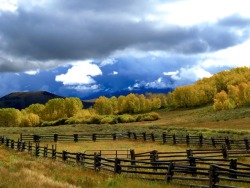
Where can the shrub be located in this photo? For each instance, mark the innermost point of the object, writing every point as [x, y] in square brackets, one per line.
[154, 115]
[108, 120]
[126, 118]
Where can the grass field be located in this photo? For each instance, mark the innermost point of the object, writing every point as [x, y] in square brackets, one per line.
[20, 170]
[201, 120]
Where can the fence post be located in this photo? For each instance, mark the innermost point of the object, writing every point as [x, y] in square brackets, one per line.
[213, 142]
[53, 152]
[132, 156]
[164, 137]
[246, 144]
[144, 135]
[192, 162]
[170, 172]
[12, 144]
[154, 158]
[18, 145]
[227, 142]
[114, 136]
[23, 146]
[7, 142]
[93, 137]
[187, 139]
[233, 165]
[36, 138]
[201, 140]
[129, 134]
[64, 155]
[134, 134]
[75, 137]
[2, 139]
[213, 176]
[37, 150]
[45, 151]
[189, 153]
[224, 152]
[29, 147]
[97, 162]
[174, 139]
[55, 137]
[152, 137]
[78, 158]
[117, 167]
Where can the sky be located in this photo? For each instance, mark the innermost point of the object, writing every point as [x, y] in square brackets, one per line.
[87, 48]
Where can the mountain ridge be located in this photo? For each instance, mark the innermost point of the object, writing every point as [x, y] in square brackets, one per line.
[21, 100]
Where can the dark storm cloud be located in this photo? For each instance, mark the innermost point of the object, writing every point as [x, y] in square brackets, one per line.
[73, 30]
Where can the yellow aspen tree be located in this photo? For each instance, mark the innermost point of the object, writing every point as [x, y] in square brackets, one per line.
[233, 96]
[10, 117]
[72, 106]
[103, 106]
[221, 101]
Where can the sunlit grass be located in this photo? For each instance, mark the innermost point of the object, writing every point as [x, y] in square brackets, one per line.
[20, 170]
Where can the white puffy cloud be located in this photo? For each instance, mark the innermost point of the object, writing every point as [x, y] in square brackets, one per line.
[187, 75]
[232, 57]
[191, 12]
[80, 73]
[32, 72]
[158, 84]
[8, 5]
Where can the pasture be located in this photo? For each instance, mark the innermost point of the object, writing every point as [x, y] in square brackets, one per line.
[19, 169]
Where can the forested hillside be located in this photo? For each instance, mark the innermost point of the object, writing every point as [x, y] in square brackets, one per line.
[225, 90]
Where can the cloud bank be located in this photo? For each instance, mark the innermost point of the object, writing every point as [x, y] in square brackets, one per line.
[131, 44]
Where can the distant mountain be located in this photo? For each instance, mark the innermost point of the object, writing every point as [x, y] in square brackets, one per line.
[21, 100]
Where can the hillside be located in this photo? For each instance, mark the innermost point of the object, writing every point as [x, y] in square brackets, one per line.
[21, 100]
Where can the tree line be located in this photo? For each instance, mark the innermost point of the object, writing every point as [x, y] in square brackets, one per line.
[70, 111]
[225, 90]
[33, 115]
[130, 104]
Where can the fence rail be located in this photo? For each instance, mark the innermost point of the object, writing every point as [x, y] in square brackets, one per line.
[209, 168]
[198, 140]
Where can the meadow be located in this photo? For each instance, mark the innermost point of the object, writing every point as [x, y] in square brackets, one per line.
[18, 169]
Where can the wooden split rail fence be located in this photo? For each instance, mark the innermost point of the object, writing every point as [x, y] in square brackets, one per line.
[216, 167]
[198, 140]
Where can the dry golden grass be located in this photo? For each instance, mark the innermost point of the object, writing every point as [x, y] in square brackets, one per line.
[20, 170]
[138, 146]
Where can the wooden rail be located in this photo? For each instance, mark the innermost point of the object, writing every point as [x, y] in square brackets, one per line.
[198, 140]
[209, 168]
